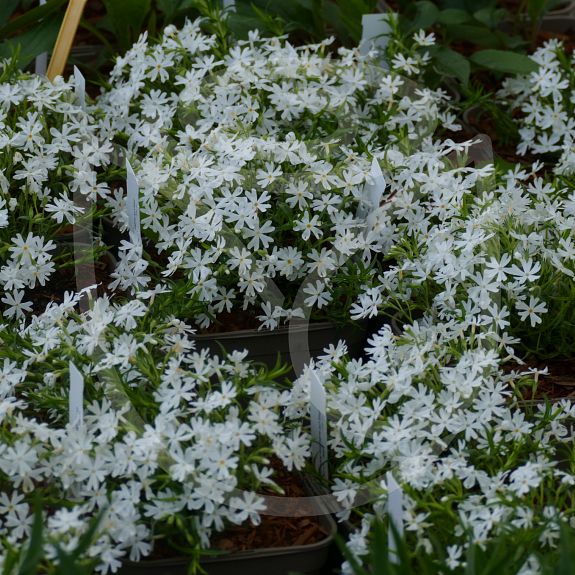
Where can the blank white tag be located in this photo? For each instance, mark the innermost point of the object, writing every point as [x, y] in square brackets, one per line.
[318, 416]
[133, 204]
[395, 514]
[41, 64]
[372, 193]
[375, 33]
[76, 397]
[80, 83]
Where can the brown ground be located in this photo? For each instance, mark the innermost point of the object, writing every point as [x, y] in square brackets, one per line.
[558, 384]
[274, 531]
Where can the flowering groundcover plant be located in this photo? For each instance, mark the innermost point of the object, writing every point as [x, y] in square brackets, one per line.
[253, 167]
[53, 174]
[173, 445]
[485, 246]
[434, 407]
[545, 102]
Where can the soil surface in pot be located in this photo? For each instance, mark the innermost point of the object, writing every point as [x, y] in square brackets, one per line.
[64, 280]
[559, 383]
[272, 532]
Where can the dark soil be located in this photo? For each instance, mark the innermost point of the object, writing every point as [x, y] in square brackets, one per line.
[64, 280]
[567, 39]
[558, 384]
[272, 532]
[233, 321]
[275, 531]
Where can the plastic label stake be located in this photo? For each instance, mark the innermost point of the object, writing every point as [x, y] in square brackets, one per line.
[318, 415]
[80, 83]
[41, 64]
[133, 204]
[76, 397]
[395, 514]
[375, 33]
[372, 193]
[229, 5]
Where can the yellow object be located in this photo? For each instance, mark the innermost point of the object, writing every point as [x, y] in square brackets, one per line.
[65, 38]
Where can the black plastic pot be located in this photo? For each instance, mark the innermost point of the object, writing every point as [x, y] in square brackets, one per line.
[560, 23]
[303, 559]
[293, 345]
[566, 10]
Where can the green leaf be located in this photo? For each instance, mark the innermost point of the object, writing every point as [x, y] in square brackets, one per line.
[515, 43]
[33, 16]
[427, 15]
[307, 4]
[502, 61]
[33, 42]
[240, 25]
[479, 35]
[537, 8]
[127, 18]
[169, 8]
[489, 17]
[351, 14]
[452, 63]
[275, 25]
[7, 7]
[345, 27]
[35, 550]
[453, 16]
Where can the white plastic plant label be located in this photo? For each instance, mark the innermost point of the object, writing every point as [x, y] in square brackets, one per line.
[80, 83]
[395, 514]
[41, 63]
[375, 33]
[229, 5]
[133, 204]
[76, 397]
[318, 416]
[372, 193]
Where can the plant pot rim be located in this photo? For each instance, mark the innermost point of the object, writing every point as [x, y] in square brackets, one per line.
[541, 401]
[567, 10]
[556, 22]
[326, 520]
[296, 327]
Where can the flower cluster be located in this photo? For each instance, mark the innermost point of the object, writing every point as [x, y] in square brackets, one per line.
[168, 432]
[282, 182]
[253, 169]
[439, 413]
[492, 249]
[51, 166]
[545, 102]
